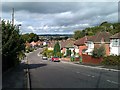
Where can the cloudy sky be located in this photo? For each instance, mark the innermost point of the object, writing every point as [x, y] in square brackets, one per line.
[59, 17]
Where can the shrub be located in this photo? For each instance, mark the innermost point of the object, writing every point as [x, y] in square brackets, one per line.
[98, 52]
[68, 52]
[47, 52]
[111, 60]
[59, 54]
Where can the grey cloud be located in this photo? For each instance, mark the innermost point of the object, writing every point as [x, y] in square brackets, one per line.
[41, 7]
[61, 17]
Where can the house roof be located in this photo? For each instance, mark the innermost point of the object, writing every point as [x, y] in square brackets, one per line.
[67, 43]
[38, 43]
[33, 43]
[101, 36]
[27, 44]
[117, 35]
[81, 41]
[51, 44]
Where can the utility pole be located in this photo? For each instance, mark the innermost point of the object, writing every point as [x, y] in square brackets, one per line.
[13, 16]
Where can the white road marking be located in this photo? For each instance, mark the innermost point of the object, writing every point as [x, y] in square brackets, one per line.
[112, 82]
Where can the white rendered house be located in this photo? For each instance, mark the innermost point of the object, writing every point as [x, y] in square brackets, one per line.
[115, 44]
[90, 47]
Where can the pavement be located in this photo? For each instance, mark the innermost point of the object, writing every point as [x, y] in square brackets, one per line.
[17, 77]
[14, 77]
[109, 68]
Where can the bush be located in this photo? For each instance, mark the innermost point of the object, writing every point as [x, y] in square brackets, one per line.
[29, 49]
[47, 52]
[68, 52]
[12, 44]
[98, 52]
[111, 60]
[59, 54]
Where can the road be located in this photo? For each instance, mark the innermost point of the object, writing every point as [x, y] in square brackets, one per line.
[47, 74]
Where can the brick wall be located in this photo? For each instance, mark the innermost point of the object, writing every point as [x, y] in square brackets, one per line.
[90, 60]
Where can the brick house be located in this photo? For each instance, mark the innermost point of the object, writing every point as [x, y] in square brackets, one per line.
[81, 44]
[101, 38]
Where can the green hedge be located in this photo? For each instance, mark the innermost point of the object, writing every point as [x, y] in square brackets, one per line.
[111, 60]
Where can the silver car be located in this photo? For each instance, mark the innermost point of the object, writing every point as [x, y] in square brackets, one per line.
[44, 58]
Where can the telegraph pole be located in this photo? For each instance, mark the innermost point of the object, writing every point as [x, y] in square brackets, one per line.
[13, 16]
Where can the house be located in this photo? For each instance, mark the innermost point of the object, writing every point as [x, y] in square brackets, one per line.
[81, 45]
[44, 43]
[67, 45]
[101, 38]
[27, 45]
[33, 44]
[115, 44]
[39, 43]
[51, 45]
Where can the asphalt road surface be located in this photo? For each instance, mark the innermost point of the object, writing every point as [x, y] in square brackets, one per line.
[47, 74]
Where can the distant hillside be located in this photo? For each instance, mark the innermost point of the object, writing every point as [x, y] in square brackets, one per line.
[55, 35]
[112, 28]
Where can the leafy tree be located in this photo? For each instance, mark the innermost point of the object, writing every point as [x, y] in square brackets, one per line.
[26, 37]
[112, 28]
[12, 45]
[77, 34]
[30, 37]
[99, 52]
[33, 37]
[56, 49]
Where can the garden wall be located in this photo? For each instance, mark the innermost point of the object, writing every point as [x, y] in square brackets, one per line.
[90, 60]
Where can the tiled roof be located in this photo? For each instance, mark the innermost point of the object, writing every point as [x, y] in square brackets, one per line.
[51, 44]
[101, 36]
[27, 44]
[67, 43]
[117, 35]
[81, 41]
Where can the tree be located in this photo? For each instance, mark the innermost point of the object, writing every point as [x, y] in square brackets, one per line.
[30, 37]
[33, 37]
[77, 34]
[56, 49]
[99, 52]
[12, 45]
[26, 37]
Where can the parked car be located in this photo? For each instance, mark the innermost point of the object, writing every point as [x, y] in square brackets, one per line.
[44, 58]
[55, 59]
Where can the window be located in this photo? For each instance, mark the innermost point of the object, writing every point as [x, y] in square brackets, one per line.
[90, 44]
[116, 42]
